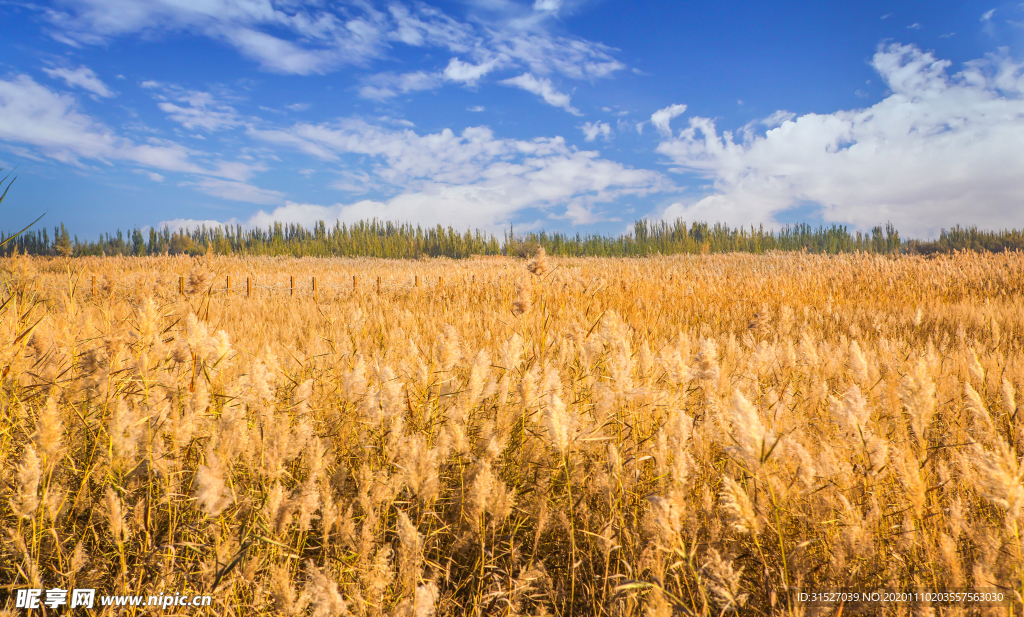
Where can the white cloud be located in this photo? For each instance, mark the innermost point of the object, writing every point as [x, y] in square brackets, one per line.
[49, 123]
[297, 107]
[544, 54]
[236, 191]
[472, 177]
[940, 150]
[305, 37]
[155, 177]
[458, 70]
[388, 85]
[324, 40]
[592, 130]
[547, 5]
[544, 89]
[201, 111]
[34, 115]
[987, 15]
[914, 26]
[661, 118]
[178, 224]
[475, 108]
[82, 77]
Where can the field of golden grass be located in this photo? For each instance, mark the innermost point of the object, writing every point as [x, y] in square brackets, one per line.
[694, 435]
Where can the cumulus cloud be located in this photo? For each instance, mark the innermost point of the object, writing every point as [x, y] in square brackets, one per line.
[473, 176]
[661, 118]
[593, 130]
[940, 150]
[544, 89]
[81, 77]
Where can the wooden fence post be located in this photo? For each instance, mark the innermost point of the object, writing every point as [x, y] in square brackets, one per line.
[181, 285]
[94, 286]
[227, 286]
[248, 287]
[417, 277]
[355, 281]
[378, 283]
[440, 281]
[314, 288]
[293, 285]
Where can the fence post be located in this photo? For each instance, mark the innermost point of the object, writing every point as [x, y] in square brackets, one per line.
[378, 283]
[314, 289]
[248, 287]
[417, 277]
[293, 285]
[355, 281]
[440, 281]
[181, 285]
[94, 286]
[227, 286]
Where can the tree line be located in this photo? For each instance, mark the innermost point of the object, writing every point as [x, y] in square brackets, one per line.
[386, 239]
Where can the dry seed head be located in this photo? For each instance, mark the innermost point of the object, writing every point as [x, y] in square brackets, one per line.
[449, 350]
[747, 430]
[851, 412]
[858, 364]
[323, 594]
[561, 425]
[220, 345]
[724, 581]
[707, 361]
[79, 558]
[917, 392]
[115, 515]
[523, 303]
[1009, 403]
[999, 477]
[29, 474]
[975, 368]
[980, 417]
[49, 431]
[666, 520]
[196, 282]
[410, 552]
[738, 508]
[419, 462]
[539, 266]
[211, 491]
[425, 602]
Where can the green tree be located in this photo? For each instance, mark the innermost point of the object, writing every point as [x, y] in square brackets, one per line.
[63, 242]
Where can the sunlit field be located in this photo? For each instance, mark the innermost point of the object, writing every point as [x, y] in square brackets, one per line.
[692, 435]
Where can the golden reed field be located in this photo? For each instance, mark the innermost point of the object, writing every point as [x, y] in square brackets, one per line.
[694, 435]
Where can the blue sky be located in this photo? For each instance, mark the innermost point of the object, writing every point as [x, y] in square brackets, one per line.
[555, 114]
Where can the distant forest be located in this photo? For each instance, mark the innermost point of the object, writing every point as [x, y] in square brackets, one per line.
[403, 241]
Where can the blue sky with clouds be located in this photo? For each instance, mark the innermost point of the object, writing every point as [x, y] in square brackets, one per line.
[554, 114]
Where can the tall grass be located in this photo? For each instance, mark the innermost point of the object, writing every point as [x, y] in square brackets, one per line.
[675, 435]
